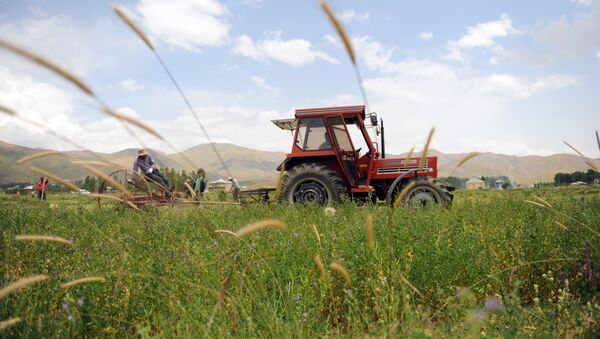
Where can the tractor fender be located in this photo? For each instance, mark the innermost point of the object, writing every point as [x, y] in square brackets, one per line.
[395, 183]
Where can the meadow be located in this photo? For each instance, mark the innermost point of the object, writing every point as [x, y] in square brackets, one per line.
[520, 263]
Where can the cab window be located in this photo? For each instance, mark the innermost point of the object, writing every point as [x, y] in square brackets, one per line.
[312, 135]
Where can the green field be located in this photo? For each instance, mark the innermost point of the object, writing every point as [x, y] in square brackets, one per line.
[491, 265]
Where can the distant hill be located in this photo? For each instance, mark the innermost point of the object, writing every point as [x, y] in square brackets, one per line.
[250, 165]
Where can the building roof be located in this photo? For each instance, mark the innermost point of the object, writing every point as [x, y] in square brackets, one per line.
[220, 181]
[475, 180]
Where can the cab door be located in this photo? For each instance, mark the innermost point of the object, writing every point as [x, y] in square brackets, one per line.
[344, 148]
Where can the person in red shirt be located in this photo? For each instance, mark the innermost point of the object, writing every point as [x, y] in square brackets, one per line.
[42, 185]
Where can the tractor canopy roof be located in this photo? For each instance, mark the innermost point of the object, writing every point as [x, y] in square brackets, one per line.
[337, 110]
[347, 111]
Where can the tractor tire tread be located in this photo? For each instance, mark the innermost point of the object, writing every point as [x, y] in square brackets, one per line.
[337, 187]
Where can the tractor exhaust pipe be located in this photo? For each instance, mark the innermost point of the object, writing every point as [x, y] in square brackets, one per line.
[382, 140]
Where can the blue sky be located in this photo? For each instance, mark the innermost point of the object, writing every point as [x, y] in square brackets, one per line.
[513, 77]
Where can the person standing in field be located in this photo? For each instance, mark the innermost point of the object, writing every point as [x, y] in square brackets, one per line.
[42, 185]
[200, 184]
[235, 189]
[146, 164]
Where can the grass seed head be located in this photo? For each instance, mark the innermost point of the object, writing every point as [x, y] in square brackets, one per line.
[319, 264]
[21, 284]
[83, 281]
[7, 111]
[339, 268]
[259, 225]
[227, 232]
[314, 227]
[340, 30]
[37, 156]
[426, 148]
[33, 237]
[574, 149]
[121, 13]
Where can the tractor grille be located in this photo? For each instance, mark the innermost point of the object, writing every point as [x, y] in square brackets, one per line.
[402, 169]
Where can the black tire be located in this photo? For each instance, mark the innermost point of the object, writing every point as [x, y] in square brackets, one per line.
[420, 193]
[312, 183]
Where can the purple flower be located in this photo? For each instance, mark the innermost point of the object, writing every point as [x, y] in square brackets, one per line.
[70, 317]
[493, 304]
[80, 301]
[65, 306]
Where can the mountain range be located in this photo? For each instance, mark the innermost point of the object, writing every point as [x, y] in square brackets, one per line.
[252, 166]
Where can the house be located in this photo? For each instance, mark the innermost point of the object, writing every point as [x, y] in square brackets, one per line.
[498, 184]
[475, 184]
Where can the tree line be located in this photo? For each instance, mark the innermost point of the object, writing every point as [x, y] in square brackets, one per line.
[569, 178]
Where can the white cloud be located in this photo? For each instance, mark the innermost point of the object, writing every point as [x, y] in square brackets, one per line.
[131, 85]
[295, 52]
[482, 35]
[351, 15]
[55, 108]
[578, 36]
[418, 94]
[188, 24]
[425, 35]
[262, 84]
[332, 40]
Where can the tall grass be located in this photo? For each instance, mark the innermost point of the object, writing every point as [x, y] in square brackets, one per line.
[169, 274]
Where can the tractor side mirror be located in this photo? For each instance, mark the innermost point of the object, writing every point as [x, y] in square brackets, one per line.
[373, 117]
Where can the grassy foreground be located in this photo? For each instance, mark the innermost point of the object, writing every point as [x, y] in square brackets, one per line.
[492, 265]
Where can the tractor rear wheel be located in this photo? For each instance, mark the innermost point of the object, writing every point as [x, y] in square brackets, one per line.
[312, 183]
[420, 193]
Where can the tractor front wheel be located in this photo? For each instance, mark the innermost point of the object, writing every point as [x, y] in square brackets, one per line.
[312, 184]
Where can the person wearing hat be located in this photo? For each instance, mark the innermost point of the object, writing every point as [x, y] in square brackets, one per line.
[146, 164]
[235, 189]
[200, 184]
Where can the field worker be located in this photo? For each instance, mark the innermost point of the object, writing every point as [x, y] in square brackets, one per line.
[42, 186]
[146, 164]
[200, 184]
[235, 189]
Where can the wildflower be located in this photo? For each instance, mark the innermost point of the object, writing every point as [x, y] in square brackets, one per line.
[493, 304]
[70, 317]
[297, 297]
[65, 306]
[329, 211]
[80, 301]
[296, 235]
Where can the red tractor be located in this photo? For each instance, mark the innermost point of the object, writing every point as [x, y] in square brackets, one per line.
[325, 163]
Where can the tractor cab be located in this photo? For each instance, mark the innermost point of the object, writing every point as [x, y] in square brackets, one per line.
[333, 155]
[338, 134]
